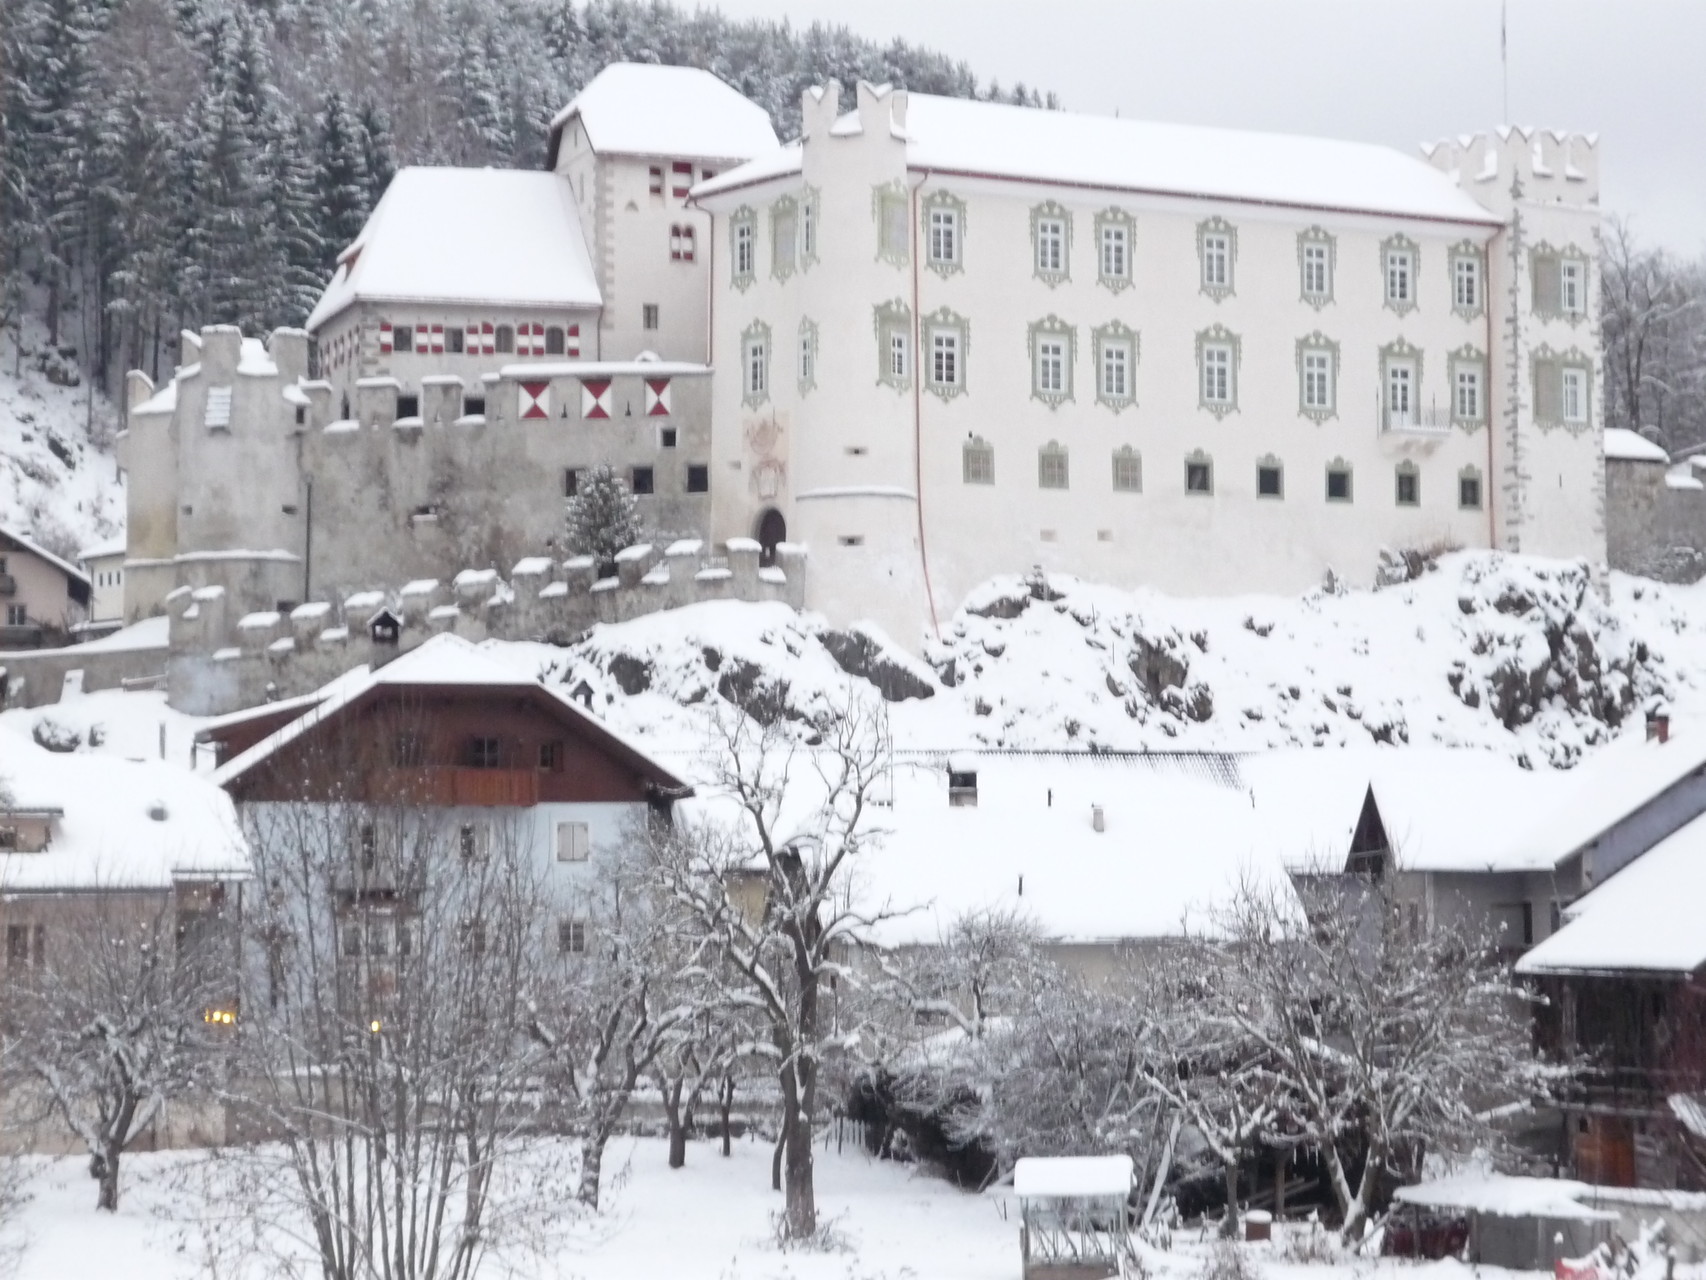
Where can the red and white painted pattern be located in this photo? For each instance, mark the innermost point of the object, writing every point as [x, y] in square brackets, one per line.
[535, 399]
[595, 398]
[657, 397]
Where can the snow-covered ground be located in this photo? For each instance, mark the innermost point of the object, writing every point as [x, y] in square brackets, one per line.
[59, 481]
[708, 1221]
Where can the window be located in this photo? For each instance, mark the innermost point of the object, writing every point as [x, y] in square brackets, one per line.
[349, 941]
[1051, 246]
[551, 756]
[1270, 479]
[1051, 467]
[666, 437]
[745, 236]
[1469, 490]
[1400, 394]
[1217, 373]
[571, 937]
[1466, 283]
[17, 615]
[474, 406]
[453, 341]
[681, 178]
[1338, 482]
[977, 461]
[698, 478]
[554, 340]
[784, 226]
[892, 234]
[504, 339]
[1128, 470]
[1315, 262]
[1400, 278]
[1115, 370]
[1559, 282]
[945, 357]
[1054, 347]
[1217, 246]
[408, 406]
[1575, 395]
[1408, 485]
[897, 356]
[379, 937]
[408, 751]
[574, 842]
[1115, 257]
[1466, 401]
[472, 840]
[1051, 366]
[654, 184]
[808, 229]
[1317, 380]
[756, 365]
[944, 241]
[1199, 475]
[642, 480]
[485, 753]
[682, 243]
[1572, 295]
[808, 357]
[368, 843]
[649, 315]
[403, 337]
[571, 482]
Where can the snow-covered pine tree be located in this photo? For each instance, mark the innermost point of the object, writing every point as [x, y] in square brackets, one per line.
[340, 179]
[602, 517]
[378, 151]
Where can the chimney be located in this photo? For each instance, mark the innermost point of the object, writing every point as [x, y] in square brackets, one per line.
[1658, 727]
[1097, 821]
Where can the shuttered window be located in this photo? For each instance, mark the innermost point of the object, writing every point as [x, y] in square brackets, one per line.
[1548, 293]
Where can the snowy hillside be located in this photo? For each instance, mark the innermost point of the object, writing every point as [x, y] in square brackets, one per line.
[58, 474]
[1513, 653]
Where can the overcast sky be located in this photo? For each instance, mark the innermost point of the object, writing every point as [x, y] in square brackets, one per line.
[1391, 71]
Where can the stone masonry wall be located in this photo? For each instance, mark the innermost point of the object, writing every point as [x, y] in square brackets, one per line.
[1655, 521]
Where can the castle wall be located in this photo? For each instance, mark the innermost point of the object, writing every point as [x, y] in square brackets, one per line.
[1656, 522]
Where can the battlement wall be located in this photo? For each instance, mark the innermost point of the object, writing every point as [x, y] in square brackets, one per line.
[1552, 166]
[221, 659]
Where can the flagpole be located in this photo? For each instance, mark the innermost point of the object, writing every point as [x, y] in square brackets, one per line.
[1504, 58]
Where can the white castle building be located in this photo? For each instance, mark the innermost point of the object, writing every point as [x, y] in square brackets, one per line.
[932, 340]
[954, 339]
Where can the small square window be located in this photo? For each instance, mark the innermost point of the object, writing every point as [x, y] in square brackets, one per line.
[1128, 471]
[571, 937]
[574, 842]
[977, 462]
[1409, 488]
[403, 337]
[1270, 481]
[571, 481]
[485, 753]
[453, 341]
[698, 478]
[1338, 484]
[649, 315]
[642, 480]
[1052, 468]
[1469, 492]
[666, 437]
[1199, 477]
[408, 406]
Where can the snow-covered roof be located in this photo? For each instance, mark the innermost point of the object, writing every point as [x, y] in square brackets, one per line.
[150, 633]
[36, 549]
[633, 108]
[1072, 1176]
[1444, 809]
[125, 824]
[1647, 917]
[494, 237]
[958, 137]
[445, 661]
[1606, 788]
[1506, 1197]
[1630, 446]
[100, 550]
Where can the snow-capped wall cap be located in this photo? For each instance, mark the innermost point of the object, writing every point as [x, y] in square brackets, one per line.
[364, 600]
[315, 384]
[343, 426]
[307, 612]
[165, 400]
[215, 592]
[1506, 1197]
[791, 549]
[419, 587]
[442, 380]
[474, 578]
[1682, 477]
[262, 621]
[1625, 445]
[190, 343]
[101, 550]
[748, 545]
[772, 573]
[1070, 1176]
[531, 566]
[442, 611]
[517, 235]
[962, 762]
[179, 593]
[294, 395]
[677, 112]
[579, 562]
[228, 654]
[284, 644]
[628, 555]
[378, 381]
[954, 137]
[684, 547]
[412, 423]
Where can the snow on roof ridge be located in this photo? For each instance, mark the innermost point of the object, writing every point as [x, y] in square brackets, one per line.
[35, 548]
[652, 109]
[1626, 445]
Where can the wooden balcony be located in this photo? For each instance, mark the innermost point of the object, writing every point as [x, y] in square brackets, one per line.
[455, 786]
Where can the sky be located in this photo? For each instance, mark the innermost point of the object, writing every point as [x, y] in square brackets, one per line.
[1397, 72]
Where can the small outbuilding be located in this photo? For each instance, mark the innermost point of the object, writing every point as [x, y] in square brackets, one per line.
[1075, 1214]
[1525, 1224]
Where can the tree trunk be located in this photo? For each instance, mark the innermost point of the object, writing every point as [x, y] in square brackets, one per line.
[801, 1204]
[776, 1157]
[677, 1129]
[104, 1169]
[1356, 1213]
[726, 1104]
[592, 1164]
[1229, 1225]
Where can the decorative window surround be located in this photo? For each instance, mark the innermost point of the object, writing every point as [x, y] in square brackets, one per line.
[1400, 265]
[811, 205]
[893, 323]
[1217, 257]
[1407, 484]
[1341, 470]
[1045, 386]
[977, 461]
[1549, 270]
[1116, 348]
[1563, 386]
[1468, 279]
[1116, 238]
[784, 237]
[1053, 471]
[1469, 388]
[743, 247]
[888, 209]
[1469, 489]
[1400, 353]
[1128, 470]
[947, 343]
[808, 355]
[1217, 370]
[944, 232]
[755, 364]
[1317, 261]
[1270, 478]
[1317, 377]
[1199, 474]
[1051, 243]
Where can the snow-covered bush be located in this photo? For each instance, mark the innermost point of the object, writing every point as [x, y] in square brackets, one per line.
[55, 735]
[602, 517]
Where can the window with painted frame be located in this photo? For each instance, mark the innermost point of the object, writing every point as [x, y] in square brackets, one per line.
[1469, 489]
[1199, 475]
[947, 358]
[1217, 253]
[1116, 351]
[784, 232]
[1407, 485]
[1398, 261]
[1053, 471]
[1218, 376]
[743, 231]
[1558, 279]
[944, 230]
[1468, 391]
[1128, 470]
[1051, 366]
[893, 241]
[1563, 389]
[977, 461]
[1572, 287]
[1050, 235]
[1316, 250]
[1115, 233]
[755, 364]
[1466, 285]
[1318, 390]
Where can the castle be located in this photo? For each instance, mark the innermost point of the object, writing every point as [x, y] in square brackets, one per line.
[931, 340]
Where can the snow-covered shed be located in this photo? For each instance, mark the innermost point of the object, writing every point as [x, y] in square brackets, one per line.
[1525, 1224]
[1075, 1215]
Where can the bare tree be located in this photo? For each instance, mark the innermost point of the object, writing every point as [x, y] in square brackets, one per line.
[765, 886]
[120, 1017]
[1654, 331]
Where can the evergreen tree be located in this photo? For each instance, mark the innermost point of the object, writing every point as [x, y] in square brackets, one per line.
[602, 517]
[340, 179]
[378, 152]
